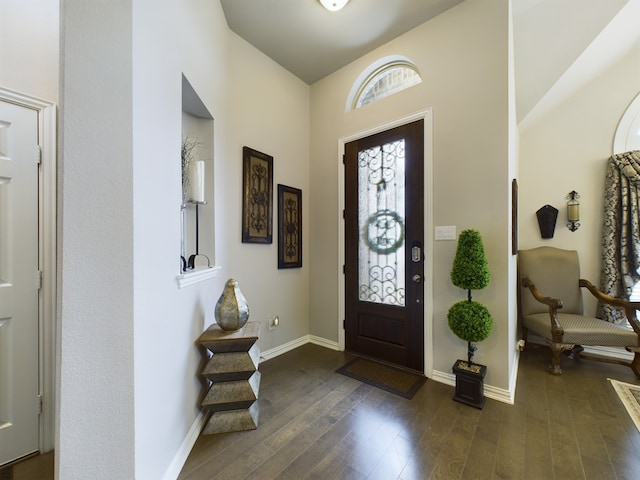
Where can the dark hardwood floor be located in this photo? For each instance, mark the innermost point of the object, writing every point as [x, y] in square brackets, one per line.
[317, 424]
[38, 467]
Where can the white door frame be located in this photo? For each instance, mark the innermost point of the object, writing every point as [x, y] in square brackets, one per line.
[47, 246]
[427, 116]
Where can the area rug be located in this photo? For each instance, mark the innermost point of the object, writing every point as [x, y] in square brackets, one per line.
[629, 394]
[385, 377]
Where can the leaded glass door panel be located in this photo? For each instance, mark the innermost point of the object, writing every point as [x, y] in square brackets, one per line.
[384, 217]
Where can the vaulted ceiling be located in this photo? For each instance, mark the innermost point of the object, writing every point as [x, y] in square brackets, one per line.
[312, 42]
[561, 45]
[558, 45]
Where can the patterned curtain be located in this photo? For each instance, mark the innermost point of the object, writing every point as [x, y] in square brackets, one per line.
[620, 231]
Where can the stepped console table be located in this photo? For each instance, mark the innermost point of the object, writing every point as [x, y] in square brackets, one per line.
[233, 378]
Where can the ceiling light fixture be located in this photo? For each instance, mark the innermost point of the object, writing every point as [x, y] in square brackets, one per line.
[333, 5]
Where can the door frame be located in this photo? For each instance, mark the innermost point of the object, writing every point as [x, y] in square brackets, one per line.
[47, 254]
[427, 116]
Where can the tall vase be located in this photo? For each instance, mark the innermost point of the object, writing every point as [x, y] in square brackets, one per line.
[232, 310]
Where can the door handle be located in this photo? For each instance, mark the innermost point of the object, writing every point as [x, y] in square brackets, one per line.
[417, 278]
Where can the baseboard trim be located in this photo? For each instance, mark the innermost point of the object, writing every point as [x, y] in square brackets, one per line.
[513, 381]
[500, 394]
[284, 348]
[611, 352]
[298, 342]
[323, 342]
[495, 393]
[183, 452]
[446, 378]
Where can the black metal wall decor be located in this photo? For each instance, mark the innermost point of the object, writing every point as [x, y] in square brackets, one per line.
[257, 193]
[547, 217]
[289, 227]
[191, 264]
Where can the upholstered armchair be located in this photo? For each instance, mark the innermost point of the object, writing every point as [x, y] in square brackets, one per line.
[550, 305]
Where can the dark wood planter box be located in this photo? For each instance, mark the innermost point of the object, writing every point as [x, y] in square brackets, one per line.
[469, 383]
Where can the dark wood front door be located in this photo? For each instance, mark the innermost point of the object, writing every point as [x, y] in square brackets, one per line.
[384, 260]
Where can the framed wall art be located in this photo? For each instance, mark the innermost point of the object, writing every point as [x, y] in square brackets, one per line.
[289, 227]
[257, 194]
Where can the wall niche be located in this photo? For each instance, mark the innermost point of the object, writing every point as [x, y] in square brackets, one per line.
[197, 212]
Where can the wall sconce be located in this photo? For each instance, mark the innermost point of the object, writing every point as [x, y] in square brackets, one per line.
[547, 216]
[573, 211]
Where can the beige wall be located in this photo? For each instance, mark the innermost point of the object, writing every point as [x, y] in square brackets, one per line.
[269, 112]
[462, 56]
[29, 47]
[567, 149]
[134, 326]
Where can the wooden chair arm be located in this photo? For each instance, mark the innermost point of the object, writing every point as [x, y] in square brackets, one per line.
[551, 302]
[603, 297]
[554, 304]
[630, 308]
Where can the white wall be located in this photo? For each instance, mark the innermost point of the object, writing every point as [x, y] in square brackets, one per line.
[29, 47]
[146, 324]
[95, 435]
[268, 112]
[567, 149]
[462, 56]
[168, 320]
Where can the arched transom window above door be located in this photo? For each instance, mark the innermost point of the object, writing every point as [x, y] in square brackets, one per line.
[381, 79]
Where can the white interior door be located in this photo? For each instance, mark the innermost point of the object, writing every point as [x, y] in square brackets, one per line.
[19, 282]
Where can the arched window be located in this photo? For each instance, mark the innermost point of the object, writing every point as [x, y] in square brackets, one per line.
[627, 138]
[627, 135]
[381, 79]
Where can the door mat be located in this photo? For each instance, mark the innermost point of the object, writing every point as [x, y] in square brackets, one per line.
[629, 394]
[385, 377]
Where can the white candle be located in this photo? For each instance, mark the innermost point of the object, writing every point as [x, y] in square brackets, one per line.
[196, 182]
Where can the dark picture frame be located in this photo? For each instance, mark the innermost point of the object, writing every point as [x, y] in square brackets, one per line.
[289, 227]
[257, 195]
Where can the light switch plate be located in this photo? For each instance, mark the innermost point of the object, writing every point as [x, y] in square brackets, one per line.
[446, 232]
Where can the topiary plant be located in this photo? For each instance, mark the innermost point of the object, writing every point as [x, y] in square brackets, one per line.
[470, 320]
